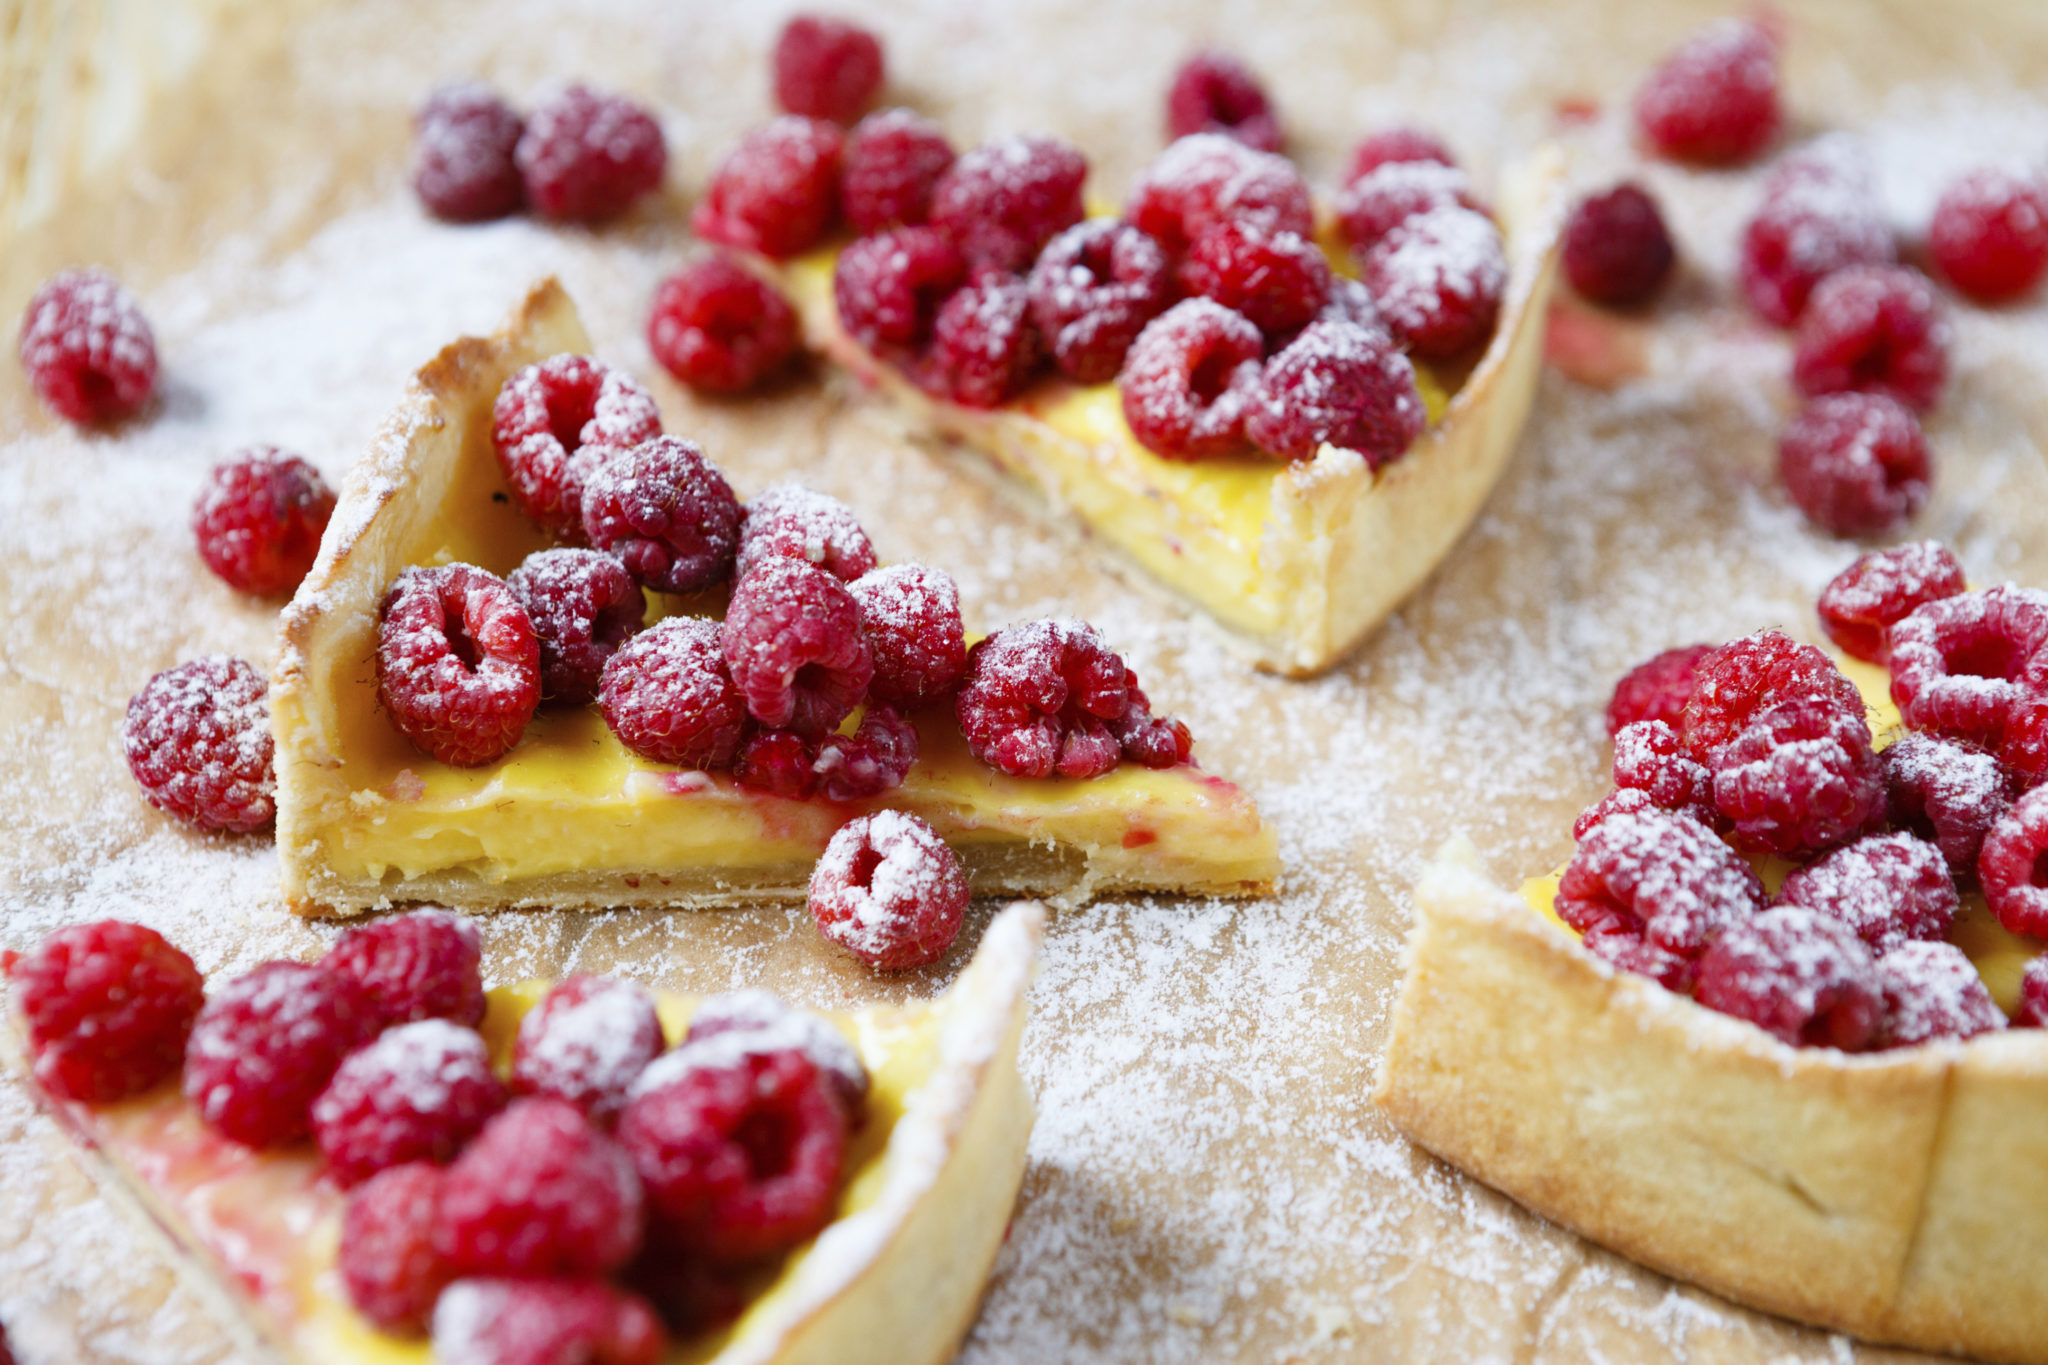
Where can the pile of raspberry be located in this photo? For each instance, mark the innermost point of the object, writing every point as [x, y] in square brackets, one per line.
[1763, 747]
[583, 156]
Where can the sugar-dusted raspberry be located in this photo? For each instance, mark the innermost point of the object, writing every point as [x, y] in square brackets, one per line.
[777, 191]
[583, 605]
[793, 644]
[2023, 748]
[1860, 604]
[496, 1321]
[86, 348]
[1856, 464]
[985, 347]
[1648, 758]
[1714, 100]
[888, 288]
[458, 666]
[265, 1046]
[1037, 699]
[1200, 181]
[1665, 877]
[259, 518]
[1802, 977]
[416, 1093]
[1889, 888]
[587, 155]
[910, 614]
[790, 521]
[463, 138]
[1002, 201]
[1873, 329]
[1623, 946]
[1620, 801]
[1800, 778]
[1958, 664]
[893, 163]
[1947, 793]
[2033, 1011]
[1214, 92]
[1989, 237]
[720, 327]
[2012, 867]
[1932, 992]
[667, 695]
[1657, 688]
[1438, 280]
[1737, 681]
[1148, 740]
[426, 964]
[540, 1192]
[1381, 200]
[1819, 214]
[1341, 385]
[1617, 250]
[585, 1042]
[554, 422]
[826, 68]
[874, 759]
[667, 513]
[1390, 146]
[107, 1007]
[1094, 288]
[387, 1259]
[1280, 280]
[197, 739]
[1350, 301]
[777, 763]
[758, 1021]
[889, 891]
[1191, 379]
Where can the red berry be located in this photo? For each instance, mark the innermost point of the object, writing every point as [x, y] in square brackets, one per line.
[1207, 179]
[1003, 200]
[2033, 1011]
[1873, 329]
[415, 1093]
[1931, 992]
[893, 163]
[197, 738]
[387, 1259]
[888, 288]
[1803, 978]
[777, 191]
[2013, 865]
[984, 346]
[1714, 100]
[1278, 280]
[463, 139]
[86, 348]
[1738, 681]
[790, 521]
[889, 891]
[1959, 664]
[585, 1043]
[494, 1321]
[1648, 758]
[1148, 740]
[1989, 237]
[107, 1007]
[1623, 947]
[1888, 888]
[540, 1192]
[266, 1044]
[1392, 145]
[1856, 463]
[426, 964]
[1341, 385]
[583, 606]
[793, 643]
[1861, 603]
[826, 68]
[721, 328]
[1438, 280]
[1094, 288]
[874, 759]
[259, 518]
[1037, 700]
[1819, 215]
[691, 1294]
[1620, 801]
[1381, 200]
[554, 422]
[458, 666]
[667, 513]
[1659, 876]
[1801, 777]
[2023, 748]
[1213, 92]
[779, 763]
[758, 1021]
[587, 156]
[1946, 793]
[1657, 688]
[1191, 379]
[1617, 250]
[910, 614]
[667, 695]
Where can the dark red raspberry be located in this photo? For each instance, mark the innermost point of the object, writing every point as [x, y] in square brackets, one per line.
[1657, 688]
[911, 616]
[826, 68]
[1662, 877]
[387, 1259]
[1094, 288]
[1617, 250]
[259, 518]
[1947, 793]
[1191, 379]
[1390, 146]
[583, 605]
[1856, 463]
[888, 288]
[1931, 992]
[667, 513]
[1888, 888]
[1621, 945]
[1214, 92]
[1801, 977]
[555, 421]
[1620, 801]
[1989, 237]
[1649, 759]
[1861, 603]
[266, 1044]
[1341, 385]
[458, 666]
[540, 1192]
[667, 695]
[1037, 700]
[416, 1093]
[197, 739]
[1873, 329]
[1003, 200]
[1278, 280]
[778, 191]
[889, 891]
[1714, 100]
[423, 965]
[1438, 280]
[1819, 215]
[874, 759]
[1207, 179]
[585, 1043]
[721, 328]
[86, 348]
[778, 763]
[1148, 740]
[2033, 1011]
[760, 1022]
[488, 1321]
[984, 346]
[1381, 200]
[790, 521]
[793, 644]
[893, 163]
[1800, 778]
[1738, 681]
[691, 1295]
[1959, 664]
[463, 139]
[2023, 749]
[107, 1007]
[2013, 865]
[587, 156]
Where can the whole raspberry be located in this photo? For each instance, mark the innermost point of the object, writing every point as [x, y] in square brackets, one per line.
[667, 695]
[893, 163]
[826, 68]
[1856, 463]
[583, 605]
[888, 288]
[2012, 869]
[1947, 793]
[265, 1046]
[721, 328]
[1191, 379]
[778, 763]
[1617, 250]
[2033, 1011]
[1620, 801]
[1663, 877]
[540, 1192]
[1801, 777]
[874, 759]
[418, 1092]
[1657, 688]
[1738, 681]
[1803, 978]
[1381, 200]
[1989, 237]
[1438, 280]
[1931, 992]
[587, 156]
[889, 891]
[1393, 145]
[2023, 748]
[1280, 280]
[1037, 699]
[1873, 329]
[984, 346]
[492, 1321]
[1889, 888]
[458, 667]
[667, 513]
[1649, 759]
[1094, 288]
[463, 139]
[107, 1007]
[1214, 92]
[555, 422]
[259, 518]
[793, 643]
[1714, 100]
[1819, 215]
[1861, 603]
[1959, 664]
[426, 964]
[1341, 385]
[86, 348]
[387, 1259]
[1148, 740]
[585, 1043]
[911, 616]
[1002, 201]
[761, 1022]
[1622, 946]
[197, 738]
[1207, 179]
[776, 192]
[790, 521]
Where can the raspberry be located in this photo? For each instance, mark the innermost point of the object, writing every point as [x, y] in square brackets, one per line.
[1037, 698]
[259, 518]
[1873, 329]
[1657, 688]
[458, 666]
[1191, 379]
[1738, 681]
[1862, 602]
[1393, 145]
[2024, 746]
[1352, 302]
[667, 513]
[1213, 92]
[1819, 215]
[2013, 865]
[1801, 777]
[1889, 888]
[421, 965]
[1381, 200]
[826, 68]
[1989, 237]
[691, 1295]
[1278, 280]
[779, 763]
[1148, 740]
[889, 891]
[540, 1192]
[1958, 663]
[721, 328]
[487, 1321]
[790, 521]
[1624, 948]
[86, 348]
[1932, 992]
[1438, 280]
[761, 1022]
[387, 1259]
[197, 739]
[416, 1093]
[875, 758]
[984, 347]
[463, 138]
[793, 644]
[266, 1045]
[1620, 801]
[1946, 793]
[554, 422]
[587, 156]
[888, 288]
[1207, 179]
[2033, 1012]
[893, 163]
[1094, 288]
[1856, 463]
[1648, 758]
[107, 1007]
[1617, 250]
[1662, 877]
[1341, 385]
[1714, 100]
[1003, 200]
[585, 1043]
[911, 616]
[1801, 977]
[777, 191]
[667, 695]
[583, 606]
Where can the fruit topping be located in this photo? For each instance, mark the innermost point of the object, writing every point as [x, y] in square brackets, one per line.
[1438, 280]
[893, 163]
[1207, 179]
[984, 346]
[1799, 778]
[826, 68]
[1657, 688]
[587, 155]
[889, 891]
[2013, 865]
[793, 644]
[1856, 463]
[463, 139]
[1004, 200]
[1191, 379]
[1889, 888]
[86, 348]
[667, 513]
[265, 1046]
[1713, 100]
[778, 763]
[107, 1007]
[496, 1321]
[1093, 289]
[418, 1092]
[1037, 699]
[259, 518]
[1617, 251]
[1620, 801]
[458, 666]
[387, 1259]
[1803, 978]
[790, 521]
[1738, 681]
[1861, 603]
[910, 614]
[777, 191]
[1959, 664]
[1342, 385]
[1661, 877]
[426, 964]
[1819, 215]
[1148, 740]
[584, 1044]
[1350, 301]
[1623, 947]
[1214, 92]
[875, 758]
[888, 288]
[1381, 200]
[1393, 145]
[667, 695]
[2033, 1011]
[197, 739]
[1873, 329]
[721, 328]
[540, 1192]
[1947, 793]
[1279, 280]
[583, 606]
[1649, 759]
[759, 1021]
[554, 422]
[1931, 992]
[1989, 237]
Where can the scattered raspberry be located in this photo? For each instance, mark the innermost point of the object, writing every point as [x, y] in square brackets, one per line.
[1889, 888]
[1801, 777]
[540, 1192]
[458, 667]
[790, 521]
[910, 614]
[259, 519]
[1856, 463]
[1862, 602]
[874, 759]
[555, 422]
[1213, 92]
[2012, 868]
[426, 964]
[416, 1093]
[1094, 288]
[197, 739]
[1148, 740]
[826, 68]
[893, 163]
[1620, 801]
[984, 346]
[721, 328]
[1649, 759]
[667, 513]
[1932, 992]
[1278, 280]
[1989, 237]
[2033, 1012]
[1438, 280]
[793, 644]
[1005, 199]
[1207, 179]
[1657, 688]
[107, 1007]
[387, 1259]
[1819, 215]
[889, 891]
[1341, 385]
[761, 1022]
[1391, 146]
[777, 191]
[585, 1043]
[583, 606]
[463, 138]
[1659, 876]
[544, 1322]
[266, 1044]
[588, 156]
[1957, 663]
[1873, 329]
[1946, 793]
[1803, 978]
[1617, 251]
[1191, 379]
[1379, 201]
[1714, 100]
[86, 348]
[1738, 681]
[888, 288]
[777, 763]
[667, 695]
[1037, 698]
